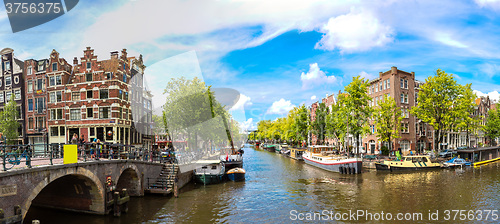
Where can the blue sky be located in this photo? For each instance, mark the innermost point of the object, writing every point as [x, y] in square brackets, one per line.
[278, 54]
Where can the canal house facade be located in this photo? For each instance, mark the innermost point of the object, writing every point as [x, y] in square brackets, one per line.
[36, 96]
[12, 83]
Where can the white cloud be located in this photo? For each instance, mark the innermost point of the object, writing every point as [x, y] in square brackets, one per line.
[354, 32]
[281, 106]
[494, 95]
[313, 97]
[446, 38]
[315, 77]
[494, 4]
[489, 69]
[248, 125]
[243, 102]
[363, 74]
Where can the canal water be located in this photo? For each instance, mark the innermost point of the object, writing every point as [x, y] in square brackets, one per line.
[281, 190]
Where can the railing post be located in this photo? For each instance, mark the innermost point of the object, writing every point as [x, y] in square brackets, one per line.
[28, 152]
[51, 152]
[4, 157]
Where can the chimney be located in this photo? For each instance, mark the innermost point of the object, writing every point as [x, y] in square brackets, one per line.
[124, 54]
[114, 55]
[394, 69]
[380, 74]
[413, 74]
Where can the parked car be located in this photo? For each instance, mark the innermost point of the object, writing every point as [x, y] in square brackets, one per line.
[447, 153]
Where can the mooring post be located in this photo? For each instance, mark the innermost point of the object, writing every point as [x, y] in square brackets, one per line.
[124, 206]
[116, 206]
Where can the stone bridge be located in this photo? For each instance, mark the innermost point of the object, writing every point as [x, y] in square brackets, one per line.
[81, 187]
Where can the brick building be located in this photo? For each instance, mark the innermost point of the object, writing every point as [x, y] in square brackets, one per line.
[12, 83]
[402, 87]
[36, 101]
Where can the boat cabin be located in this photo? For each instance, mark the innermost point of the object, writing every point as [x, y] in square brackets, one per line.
[480, 155]
[321, 149]
[296, 153]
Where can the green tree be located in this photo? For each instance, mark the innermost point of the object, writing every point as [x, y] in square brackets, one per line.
[464, 115]
[442, 104]
[336, 124]
[354, 103]
[8, 121]
[190, 110]
[492, 126]
[318, 126]
[388, 120]
[300, 123]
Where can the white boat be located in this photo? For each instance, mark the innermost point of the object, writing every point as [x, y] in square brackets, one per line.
[325, 157]
[209, 171]
[456, 162]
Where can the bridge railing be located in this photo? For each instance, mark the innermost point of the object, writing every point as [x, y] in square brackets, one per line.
[27, 156]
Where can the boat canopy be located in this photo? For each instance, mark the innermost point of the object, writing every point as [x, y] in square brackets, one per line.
[208, 161]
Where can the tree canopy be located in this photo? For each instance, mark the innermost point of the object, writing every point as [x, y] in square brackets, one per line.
[8, 122]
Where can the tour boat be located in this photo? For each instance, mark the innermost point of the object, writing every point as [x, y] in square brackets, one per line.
[408, 163]
[236, 174]
[211, 172]
[324, 157]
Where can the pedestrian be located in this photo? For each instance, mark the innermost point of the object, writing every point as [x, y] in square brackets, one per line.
[81, 141]
[74, 140]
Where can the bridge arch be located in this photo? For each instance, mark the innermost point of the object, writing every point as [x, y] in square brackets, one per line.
[131, 179]
[81, 182]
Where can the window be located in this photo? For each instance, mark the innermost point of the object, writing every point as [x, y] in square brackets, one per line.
[126, 96]
[103, 94]
[40, 122]
[404, 128]
[18, 112]
[406, 84]
[381, 85]
[7, 96]
[385, 84]
[40, 67]
[388, 83]
[376, 88]
[30, 123]
[54, 66]
[126, 114]
[39, 84]
[416, 97]
[75, 114]
[109, 75]
[52, 81]
[8, 80]
[402, 83]
[30, 86]
[406, 98]
[39, 104]
[7, 66]
[61, 131]
[92, 131]
[59, 96]
[88, 77]
[89, 94]
[402, 98]
[104, 112]
[53, 114]
[55, 96]
[30, 70]
[75, 96]
[30, 104]
[17, 94]
[124, 66]
[120, 93]
[58, 80]
[89, 65]
[54, 131]
[405, 145]
[120, 112]
[124, 77]
[59, 113]
[90, 112]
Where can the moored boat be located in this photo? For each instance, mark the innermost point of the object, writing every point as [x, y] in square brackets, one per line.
[456, 162]
[326, 157]
[296, 153]
[408, 163]
[210, 172]
[236, 174]
[270, 148]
